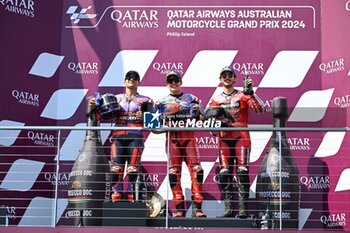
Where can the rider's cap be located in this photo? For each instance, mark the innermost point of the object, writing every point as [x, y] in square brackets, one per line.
[173, 73]
[132, 73]
[228, 68]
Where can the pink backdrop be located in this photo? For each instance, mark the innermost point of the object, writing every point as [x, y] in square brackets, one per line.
[56, 54]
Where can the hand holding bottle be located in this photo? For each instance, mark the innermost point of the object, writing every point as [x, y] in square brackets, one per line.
[248, 86]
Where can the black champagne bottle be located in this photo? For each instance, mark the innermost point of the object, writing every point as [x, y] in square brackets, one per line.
[278, 189]
[89, 185]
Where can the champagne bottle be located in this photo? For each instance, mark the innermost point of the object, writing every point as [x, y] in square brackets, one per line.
[247, 86]
[278, 188]
[89, 179]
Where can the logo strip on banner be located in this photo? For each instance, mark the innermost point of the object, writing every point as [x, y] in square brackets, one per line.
[152, 16]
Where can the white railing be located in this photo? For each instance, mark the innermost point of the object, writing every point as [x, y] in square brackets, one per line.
[44, 156]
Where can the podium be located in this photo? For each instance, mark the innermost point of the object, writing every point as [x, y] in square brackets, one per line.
[124, 214]
[3, 217]
[203, 223]
[136, 215]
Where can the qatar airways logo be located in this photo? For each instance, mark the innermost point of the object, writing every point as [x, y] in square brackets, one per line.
[342, 101]
[299, 143]
[151, 180]
[334, 220]
[166, 67]
[332, 66]
[316, 182]
[41, 139]
[61, 179]
[207, 142]
[249, 68]
[25, 97]
[83, 67]
[11, 212]
[135, 18]
[21, 7]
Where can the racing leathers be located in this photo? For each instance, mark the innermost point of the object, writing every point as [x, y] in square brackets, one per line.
[127, 145]
[235, 146]
[182, 147]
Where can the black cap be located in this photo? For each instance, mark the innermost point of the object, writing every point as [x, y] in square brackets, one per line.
[132, 73]
[173, 73]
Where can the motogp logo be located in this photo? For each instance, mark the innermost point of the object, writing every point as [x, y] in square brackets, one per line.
[76, 17]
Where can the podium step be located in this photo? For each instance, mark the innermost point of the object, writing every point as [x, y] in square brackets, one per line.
[3, 213]
[203, 223]
[135, 214]
[124, 214]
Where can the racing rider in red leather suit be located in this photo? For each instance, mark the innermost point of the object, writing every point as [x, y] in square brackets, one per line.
[234, 146]
[178, 106]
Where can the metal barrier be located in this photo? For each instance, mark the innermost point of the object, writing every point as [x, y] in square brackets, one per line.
[36, 162]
